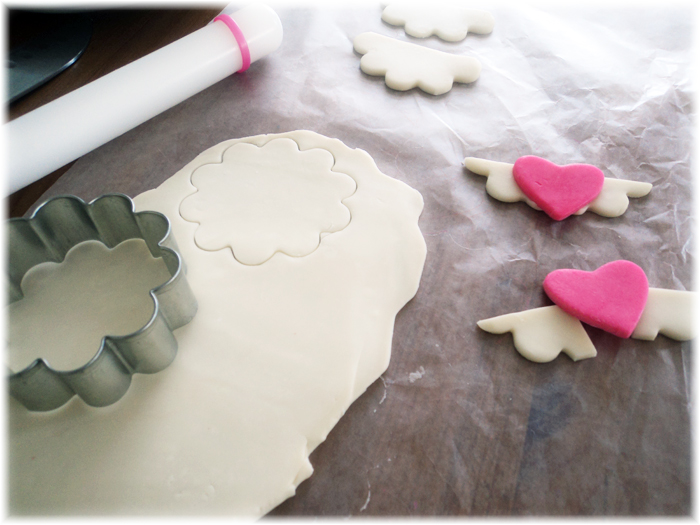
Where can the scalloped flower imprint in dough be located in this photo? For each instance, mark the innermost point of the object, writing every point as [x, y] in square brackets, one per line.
[450, 22]
[267, 209]
[405, 65]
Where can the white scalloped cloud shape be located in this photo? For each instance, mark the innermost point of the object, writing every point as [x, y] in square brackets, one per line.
[447, 21]
[405, 65]
[268, 209]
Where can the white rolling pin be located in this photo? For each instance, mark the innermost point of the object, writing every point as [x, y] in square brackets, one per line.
[67, 128]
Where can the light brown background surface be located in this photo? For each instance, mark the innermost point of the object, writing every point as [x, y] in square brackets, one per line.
[484, 431]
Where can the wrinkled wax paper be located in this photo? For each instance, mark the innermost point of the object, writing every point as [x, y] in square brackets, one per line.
[461, 423]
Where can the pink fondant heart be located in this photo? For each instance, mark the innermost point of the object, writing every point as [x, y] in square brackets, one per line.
[559, 190]
[611, 298]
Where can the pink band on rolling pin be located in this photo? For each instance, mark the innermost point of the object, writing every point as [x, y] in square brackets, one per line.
[238, 34]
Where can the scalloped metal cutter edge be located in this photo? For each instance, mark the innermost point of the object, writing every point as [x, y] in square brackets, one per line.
[53, 229]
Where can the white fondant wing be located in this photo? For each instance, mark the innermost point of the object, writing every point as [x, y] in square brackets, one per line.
[448, 22]
[500, 183]
[613, 199]
[405, 65]
[542, 333]
[667, 312]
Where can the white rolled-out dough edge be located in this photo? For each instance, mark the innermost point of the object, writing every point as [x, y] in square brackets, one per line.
[228, 427]
[612, 201]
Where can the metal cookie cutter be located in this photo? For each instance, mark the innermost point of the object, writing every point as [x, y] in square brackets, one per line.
[54, 228]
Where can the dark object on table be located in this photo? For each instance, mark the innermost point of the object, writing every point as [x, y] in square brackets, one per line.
[33, 63]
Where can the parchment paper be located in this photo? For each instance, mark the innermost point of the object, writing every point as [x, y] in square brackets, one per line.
[461, 423]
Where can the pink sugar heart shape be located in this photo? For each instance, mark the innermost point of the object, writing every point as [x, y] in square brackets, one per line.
[559, 190]
[611, 298]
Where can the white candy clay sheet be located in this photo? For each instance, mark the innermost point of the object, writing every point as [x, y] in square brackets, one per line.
[278, 350]
[460, 423]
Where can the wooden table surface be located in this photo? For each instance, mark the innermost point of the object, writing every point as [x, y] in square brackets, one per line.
[119, 37]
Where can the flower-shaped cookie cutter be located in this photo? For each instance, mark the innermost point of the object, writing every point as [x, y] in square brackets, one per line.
[53, 229]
